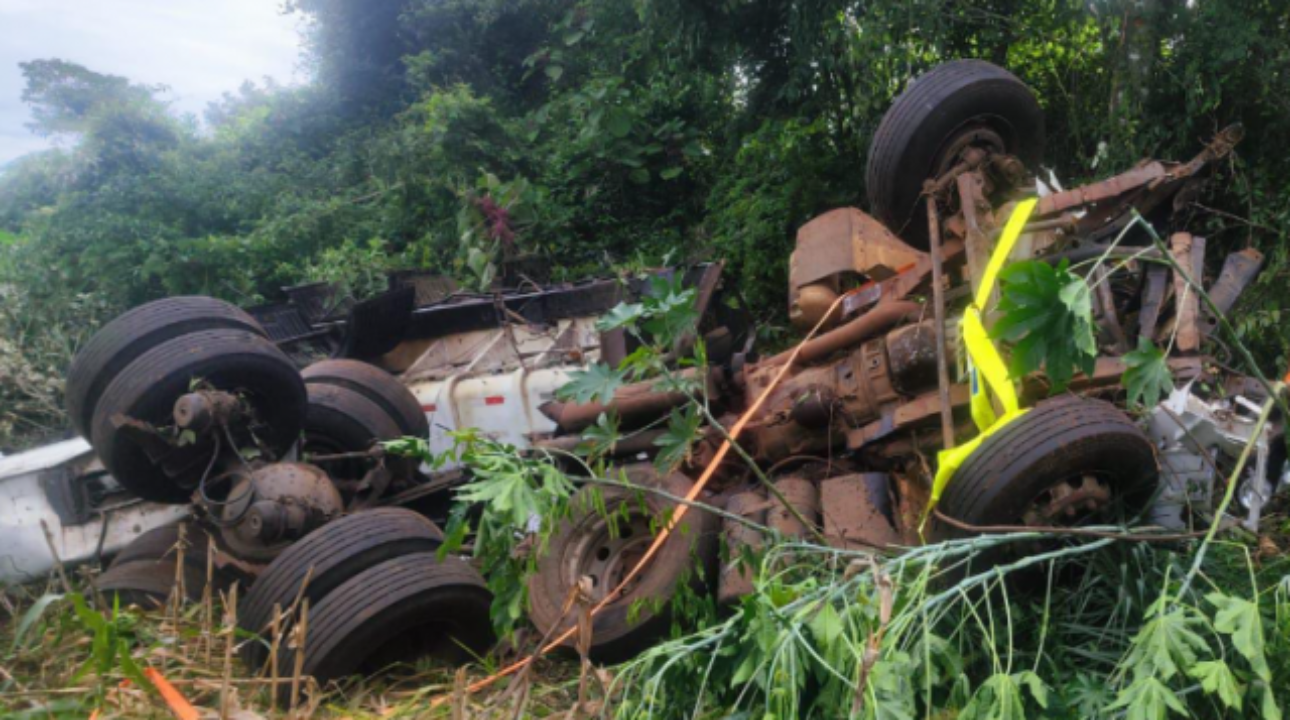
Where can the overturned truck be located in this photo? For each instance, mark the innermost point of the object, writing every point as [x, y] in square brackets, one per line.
[191, 401]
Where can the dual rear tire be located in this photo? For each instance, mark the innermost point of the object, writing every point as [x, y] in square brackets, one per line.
[139, 364]
[377, 593]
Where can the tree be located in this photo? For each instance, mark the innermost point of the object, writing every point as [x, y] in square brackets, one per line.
[64, 96]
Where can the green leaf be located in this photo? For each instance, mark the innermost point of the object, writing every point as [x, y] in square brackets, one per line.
[599, 439]
[1268, 704]
[640, 176]
[1240, 618]
[619, 123]
[29, 618]
[1216, 678]
[1037, 687]
[555, 72]
[826, 625]
[622, 315]
[1148, 699]
[1046, 313]
[597, 383]
[671, 173]
[675, 443]
[1146, 376]
[1000, 697]
[1165, 644]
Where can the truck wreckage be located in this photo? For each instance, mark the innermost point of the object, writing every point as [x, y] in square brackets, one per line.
[192, 402]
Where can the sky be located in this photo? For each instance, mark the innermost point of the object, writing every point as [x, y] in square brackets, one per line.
[199, 48]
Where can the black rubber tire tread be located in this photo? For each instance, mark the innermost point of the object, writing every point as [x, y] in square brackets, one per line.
[133, 333]
[348, 419]
[160, 544]
[1055, 439]
[147, 583]
[904, 148]
[391, 599]
[233, 360]
[378, 386]
[614, 638]
[337, 552]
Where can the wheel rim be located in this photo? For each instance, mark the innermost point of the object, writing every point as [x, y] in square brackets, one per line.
[1069, 502]
[975, 133]
[607, 551]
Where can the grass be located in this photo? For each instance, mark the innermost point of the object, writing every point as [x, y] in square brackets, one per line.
[50, 669]
[1062, 630]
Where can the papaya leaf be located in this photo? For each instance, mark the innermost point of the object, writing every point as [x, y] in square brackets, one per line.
[675, 443]
[597, 383]
[1146, 375]
[599, 439]
[1216, 678]
[1148, 699]
[1046, 313]
[1165, 644]
[623, 315]
[1240, 618]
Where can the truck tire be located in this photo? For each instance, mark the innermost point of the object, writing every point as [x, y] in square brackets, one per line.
[585, 545]
[339, 420]
[143, 572]
[226, 359]
[329, 557]
[968, 102]
[376, 385]
[134, 333]
[1066, 461]
[161, 544]
[402, 609]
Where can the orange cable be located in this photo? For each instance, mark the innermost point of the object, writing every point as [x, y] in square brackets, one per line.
[681, 509]
[178, 704]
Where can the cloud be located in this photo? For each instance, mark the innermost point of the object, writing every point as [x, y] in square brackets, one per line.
[199, 48]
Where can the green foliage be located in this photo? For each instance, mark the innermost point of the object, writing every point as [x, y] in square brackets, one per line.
[1047, 315]
[110, 644]
[1147, 377]
[470, 134]
[676, 442]
[510, 500]
[597, 383]
[358, 271]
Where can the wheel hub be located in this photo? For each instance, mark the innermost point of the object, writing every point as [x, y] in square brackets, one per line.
[1069, 502]
[607, 554]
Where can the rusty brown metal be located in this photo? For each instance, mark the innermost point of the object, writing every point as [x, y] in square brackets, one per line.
[201, 410]
[915, 278]
[1134, 179]
[938, 315]
[634, 404]
[275, 505]
[1239, 270]
[736, 579]
[913, 354]
[1105, 315]
[834, 247]
[803, 496]
[857, 511]
[978, 219]
[1107, 374]
[632, 444]
[1153, 298]
[812, 408]
[909, 414]
[1187, 303]
[880, 319]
